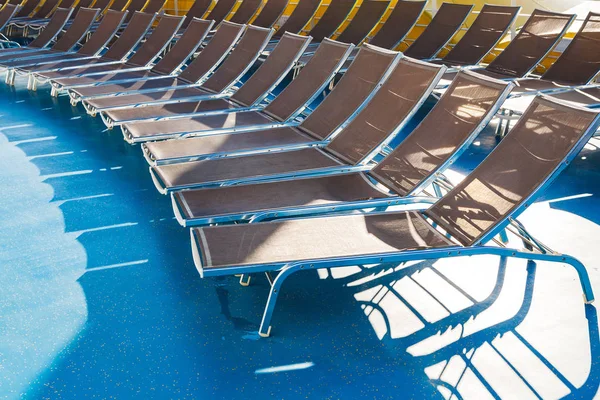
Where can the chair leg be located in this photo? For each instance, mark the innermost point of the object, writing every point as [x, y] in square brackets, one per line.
[265, 325]
[245, 279]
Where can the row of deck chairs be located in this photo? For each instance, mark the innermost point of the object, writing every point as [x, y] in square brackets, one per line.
[272, 184]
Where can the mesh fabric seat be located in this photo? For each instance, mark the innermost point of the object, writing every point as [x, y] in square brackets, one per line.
[221, 10]
[270, 13]
[302, 15]
[245, 11]
[336, 13]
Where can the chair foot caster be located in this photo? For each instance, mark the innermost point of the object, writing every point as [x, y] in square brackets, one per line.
[245, 282]
[261, 334]
[586, 301]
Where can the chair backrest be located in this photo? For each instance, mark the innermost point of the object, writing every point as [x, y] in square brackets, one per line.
[57, 22]
[272, 71]
[245, 11]
[311, 80]
[355, 87]
[221, 10]
[121, 5]
[134, 32]
[28, 7]
[302, 15]
[457, 118]
[542, 143]
[110, 24]
[159, 39]
[85, 4]
[487, 30]
[241, 59]
[15, 2]
[225, 37]
[440, 30]
[270, 13]
[154, 6]
[580, 61]
[7, 12]
[103, 5]
[537, 37]
[399, 98]
[334, 16]
[81, 24]
[47, 8]
[402, 19]
[197, 10]
[136, 5]
[185, 46]
[365, 19]
[68, 4]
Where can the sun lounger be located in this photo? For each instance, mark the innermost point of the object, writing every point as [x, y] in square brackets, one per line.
[37, 24]
[232, 69]
[221, 10]
[346, 153]
[334, 16]
[303, 13]
[7, 12]
[250, 96]
[302, 91]
[402, 19]
[197, 10]
[116, 53]
[462, 223]
[270, 13]
[402, 177]
[245, 11]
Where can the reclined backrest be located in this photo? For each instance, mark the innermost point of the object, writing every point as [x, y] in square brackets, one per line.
[486, 31]
[47, 8]
[154, 6]
[535, 39]
[336, 13]
[84, 4]
[440, 30]
[245, 11]
[356, 85]
[158, 40]
[365, 19]
[214, 52]
[185, 46]
[542, 142]
[103, 5]
[57, 22]
[7, 12]
[302, 14]
[402, 19]
[197, 10]
[110, 24]
[311, 80]
[81, 24]
[130, 37]
[67, 4]
[270, 13]
[272, 70]
[460, 114]
[221, 10]
[243, 56]
[27, 8]
[136, 5]
[580, 62]
[121, 5]
[388, 111]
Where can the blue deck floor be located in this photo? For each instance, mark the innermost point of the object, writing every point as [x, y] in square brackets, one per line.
[99, 296]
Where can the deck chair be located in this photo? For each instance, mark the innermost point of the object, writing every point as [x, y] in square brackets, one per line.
[221, 10]
[442, 28]
[344, 154]
[197, 11]
[462, 223]
[7, 12]
[540, 34]
[116, 53]
[401, 21]
[334, 16]
[142, 59]
[120, 5]
[245, 11]
[282, 111]
[303, 13]
[37, 24]
[251, 96]
[212, 55]
[401, 177]
[62, 49]
[270, 13]
[115, 96]
[54, 27]
[170, 63]
[154, 6]
[483, 35]
[44, 11]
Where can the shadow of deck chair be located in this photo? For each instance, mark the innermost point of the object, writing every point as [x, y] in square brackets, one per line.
[270, 13]
[232, 69]
[170, 63]
[464, 222]
[221, 10]
[142, 59]
[251, 95]
[116, 53]
[536, 39]
[351, 151]
[61, 50]
[54, 27]
[280, 112]
[211, 56]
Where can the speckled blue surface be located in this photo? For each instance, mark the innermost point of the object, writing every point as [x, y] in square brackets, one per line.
[99, 297]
